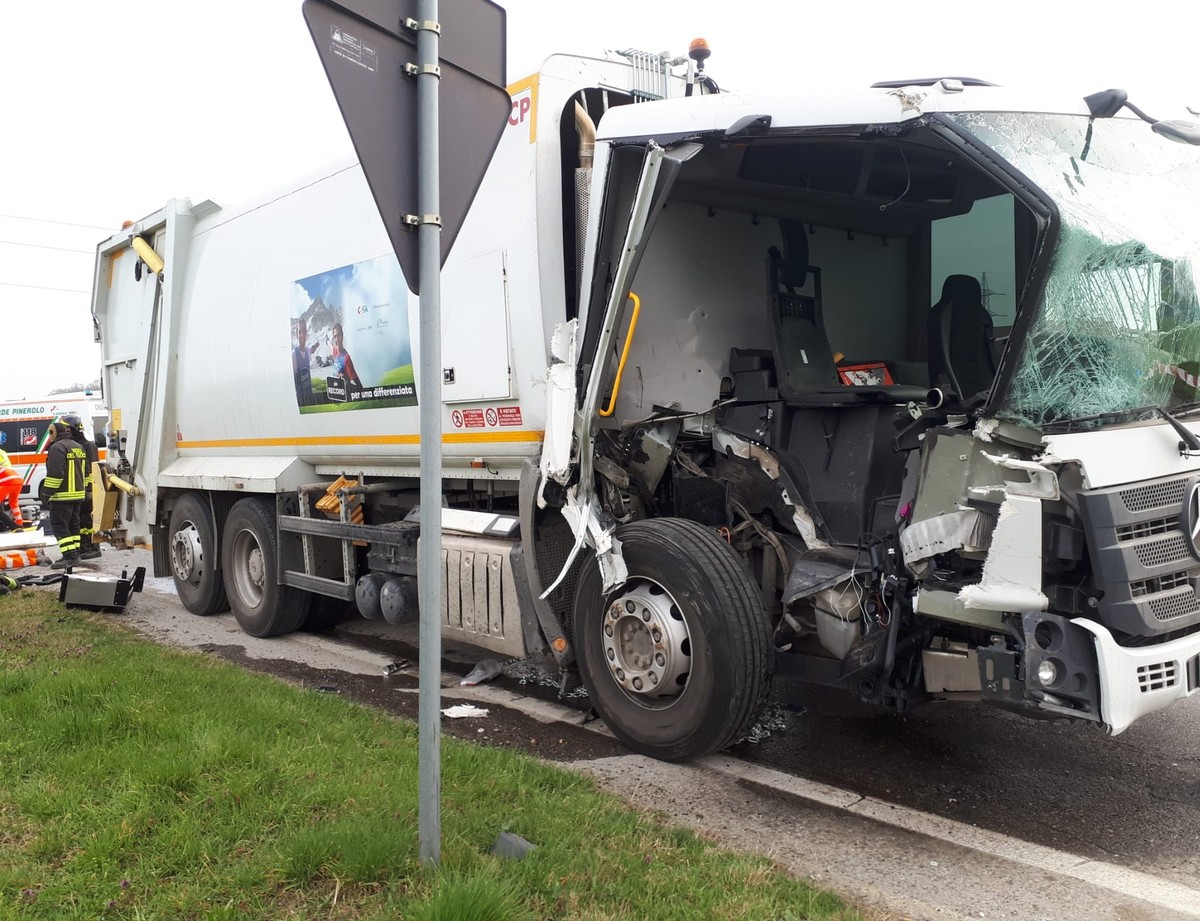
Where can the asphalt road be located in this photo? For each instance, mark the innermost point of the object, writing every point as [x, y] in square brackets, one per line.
[877, 806]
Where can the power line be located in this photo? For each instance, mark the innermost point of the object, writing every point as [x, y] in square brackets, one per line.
[13, 284]
[43, 220]
[61, 249]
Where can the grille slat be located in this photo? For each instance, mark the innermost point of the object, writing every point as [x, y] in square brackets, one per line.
[1142, 529]
[1154, 495]
[1171, 607]
[1160, 584]
[1157, 677]
[1163, 551]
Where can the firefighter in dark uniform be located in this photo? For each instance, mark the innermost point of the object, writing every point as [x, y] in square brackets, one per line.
[88, 549]
[65, 462]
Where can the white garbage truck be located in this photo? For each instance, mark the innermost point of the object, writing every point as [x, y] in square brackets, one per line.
[892, 387]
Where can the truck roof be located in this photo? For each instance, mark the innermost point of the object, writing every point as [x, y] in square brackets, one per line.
[869, 105]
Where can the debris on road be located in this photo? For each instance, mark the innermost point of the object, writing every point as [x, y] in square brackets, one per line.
[461, 711]
[483, 671]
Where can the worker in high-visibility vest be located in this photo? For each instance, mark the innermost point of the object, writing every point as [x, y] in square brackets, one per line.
[10, 490]
[65, 462]
[88, 549]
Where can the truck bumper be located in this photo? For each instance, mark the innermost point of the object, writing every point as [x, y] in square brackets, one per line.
[1135, 681]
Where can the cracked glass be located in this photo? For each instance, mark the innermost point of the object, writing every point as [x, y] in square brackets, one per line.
[1120, 325]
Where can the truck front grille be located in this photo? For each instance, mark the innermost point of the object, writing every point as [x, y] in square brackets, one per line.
[1141, 561]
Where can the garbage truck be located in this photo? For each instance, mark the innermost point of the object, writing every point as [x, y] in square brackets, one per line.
[890, 388]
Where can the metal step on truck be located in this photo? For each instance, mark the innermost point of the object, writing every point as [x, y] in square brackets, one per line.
[893, 387]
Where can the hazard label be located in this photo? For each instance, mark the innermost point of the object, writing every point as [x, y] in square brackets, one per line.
[457, 419]
[509, 415]
[491, 416]
[472, 418]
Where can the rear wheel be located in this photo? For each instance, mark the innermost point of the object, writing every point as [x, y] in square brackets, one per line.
[194, 556]
[678, 661]
[249, 560]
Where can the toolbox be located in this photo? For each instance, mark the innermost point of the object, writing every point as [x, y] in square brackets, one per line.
[100, 593]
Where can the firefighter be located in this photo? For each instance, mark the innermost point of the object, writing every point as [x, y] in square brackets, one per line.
[88, 549]
[64, 482]
[10, 491]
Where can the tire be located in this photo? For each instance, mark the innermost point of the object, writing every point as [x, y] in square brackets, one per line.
[193, 555]
[677, 661]
[249, 560]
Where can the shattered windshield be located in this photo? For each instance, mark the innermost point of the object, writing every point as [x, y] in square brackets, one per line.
[1120, 325]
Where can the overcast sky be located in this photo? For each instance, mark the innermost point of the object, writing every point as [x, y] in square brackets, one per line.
[109, 111]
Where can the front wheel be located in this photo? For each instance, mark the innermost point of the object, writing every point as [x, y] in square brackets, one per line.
[249, 559]
[678, 661]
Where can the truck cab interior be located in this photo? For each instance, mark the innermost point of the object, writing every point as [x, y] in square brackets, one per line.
[817, 290]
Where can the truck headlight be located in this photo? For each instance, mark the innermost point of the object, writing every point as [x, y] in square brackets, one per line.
[1047, 672]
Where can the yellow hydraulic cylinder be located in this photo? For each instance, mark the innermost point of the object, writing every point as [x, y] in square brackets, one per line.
[152, 259]
[127, 488]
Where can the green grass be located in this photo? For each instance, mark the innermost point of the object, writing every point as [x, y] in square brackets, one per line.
[141, 782]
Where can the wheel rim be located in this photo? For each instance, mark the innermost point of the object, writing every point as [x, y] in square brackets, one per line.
[187, 554]
[647, 646]
[249, 572]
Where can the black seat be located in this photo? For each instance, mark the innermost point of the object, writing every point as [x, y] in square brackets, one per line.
[803, 360]
[960, 339]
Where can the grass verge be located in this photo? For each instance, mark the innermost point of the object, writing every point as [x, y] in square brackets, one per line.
[141, 782]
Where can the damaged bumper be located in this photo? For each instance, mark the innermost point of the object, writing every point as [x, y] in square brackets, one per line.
[1139, 680]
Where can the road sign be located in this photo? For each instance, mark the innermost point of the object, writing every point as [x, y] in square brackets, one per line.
[368, 49]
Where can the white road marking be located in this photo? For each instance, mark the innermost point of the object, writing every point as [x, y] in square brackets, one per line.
[1121, 880]
[1115, 878]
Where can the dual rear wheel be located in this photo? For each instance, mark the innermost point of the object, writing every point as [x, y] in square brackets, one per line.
[677, 661]
[246, 582]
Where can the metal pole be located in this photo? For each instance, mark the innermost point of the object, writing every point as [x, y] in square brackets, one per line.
[429, 562]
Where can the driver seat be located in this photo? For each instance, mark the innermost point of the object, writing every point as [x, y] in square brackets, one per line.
[960, 339]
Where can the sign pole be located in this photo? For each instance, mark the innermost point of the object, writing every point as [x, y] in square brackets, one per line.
[429, 562]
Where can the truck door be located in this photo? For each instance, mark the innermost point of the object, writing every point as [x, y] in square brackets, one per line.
[125, 307]
[476, 349]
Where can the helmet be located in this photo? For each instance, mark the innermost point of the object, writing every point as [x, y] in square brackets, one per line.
[58, 427]
[72, 421]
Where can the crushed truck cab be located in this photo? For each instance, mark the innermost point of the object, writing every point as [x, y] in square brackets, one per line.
[891, 388]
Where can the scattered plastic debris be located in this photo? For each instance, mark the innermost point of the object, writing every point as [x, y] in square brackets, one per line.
[328, 689]
[462, 711]
[398, 666]
[529, 672]
[483, 671]
[511, 846]
[772, 720]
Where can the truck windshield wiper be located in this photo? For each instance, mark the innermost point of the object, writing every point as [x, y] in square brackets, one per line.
[1186, 409]
[1111, 416]
[1189, 443]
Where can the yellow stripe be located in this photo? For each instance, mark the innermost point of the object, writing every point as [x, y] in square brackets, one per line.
[335, 441]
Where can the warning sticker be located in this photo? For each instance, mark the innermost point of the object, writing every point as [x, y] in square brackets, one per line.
[472, 418]
[352, 49]
[509, 415]
[457, 419]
